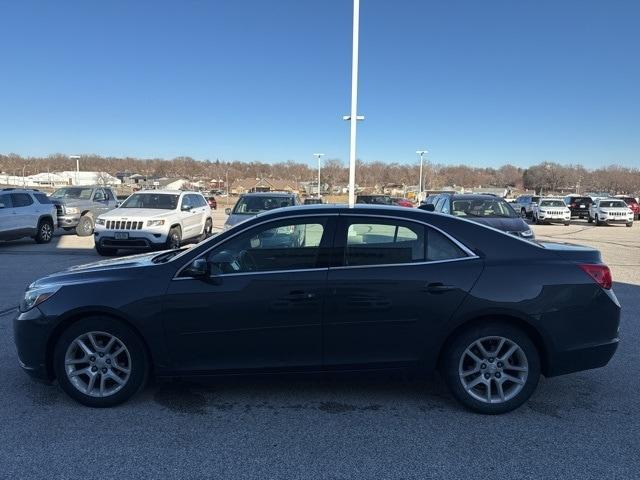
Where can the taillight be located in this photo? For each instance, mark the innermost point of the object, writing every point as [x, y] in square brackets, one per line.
[600, 273]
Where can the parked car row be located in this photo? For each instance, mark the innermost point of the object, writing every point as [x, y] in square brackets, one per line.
[147, 219]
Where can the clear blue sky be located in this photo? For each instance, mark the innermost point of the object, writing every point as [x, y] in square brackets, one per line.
[476, 82]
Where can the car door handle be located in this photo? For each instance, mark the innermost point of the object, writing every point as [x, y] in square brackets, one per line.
[300, 295]
[438, 287]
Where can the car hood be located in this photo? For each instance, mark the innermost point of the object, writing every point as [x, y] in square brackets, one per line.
[69, 202]
[95, 270]
[234, 219]
[130, 213]
[515, 224]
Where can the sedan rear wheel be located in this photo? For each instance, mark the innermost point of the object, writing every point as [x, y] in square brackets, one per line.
[100, 362]
[492, 368]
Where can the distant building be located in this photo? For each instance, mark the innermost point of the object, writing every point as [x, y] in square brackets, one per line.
[250, 185]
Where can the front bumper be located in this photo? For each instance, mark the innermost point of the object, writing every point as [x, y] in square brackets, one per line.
[613, 220]
[68, 221]
[135, 241]
[31, 332]
[554, 218]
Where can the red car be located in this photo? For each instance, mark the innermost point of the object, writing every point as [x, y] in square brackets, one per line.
[212, 202]
[633, 205]
[402, 202]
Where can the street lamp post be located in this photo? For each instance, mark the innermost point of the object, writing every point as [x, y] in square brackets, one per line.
[353, 118]
[77, 159]
[422, 153]
[319, 156]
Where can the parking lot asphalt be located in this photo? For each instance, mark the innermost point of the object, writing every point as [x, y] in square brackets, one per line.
[584, 425]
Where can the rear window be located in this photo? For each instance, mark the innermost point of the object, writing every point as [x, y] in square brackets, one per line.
[42, 198]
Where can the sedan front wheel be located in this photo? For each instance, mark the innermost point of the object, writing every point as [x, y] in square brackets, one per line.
[491, 368]
[100, 362]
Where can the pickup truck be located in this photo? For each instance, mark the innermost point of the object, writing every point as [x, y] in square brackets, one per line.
[79, 206]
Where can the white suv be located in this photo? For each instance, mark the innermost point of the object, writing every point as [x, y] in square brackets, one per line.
[550, 210]
[610, 210]
[26, 213]
[153, 219]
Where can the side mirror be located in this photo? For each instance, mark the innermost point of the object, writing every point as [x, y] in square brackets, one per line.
[186, 208]
[227, 211]
[199, 268]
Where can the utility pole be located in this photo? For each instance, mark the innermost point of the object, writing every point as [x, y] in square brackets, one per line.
[353, 118]
[77, 159]
[319, 156]
[422, 153]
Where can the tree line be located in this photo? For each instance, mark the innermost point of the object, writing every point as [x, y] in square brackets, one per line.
[546, 177]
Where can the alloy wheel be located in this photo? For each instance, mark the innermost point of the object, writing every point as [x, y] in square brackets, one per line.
[493, 369]
[98, 364]
[46, 232]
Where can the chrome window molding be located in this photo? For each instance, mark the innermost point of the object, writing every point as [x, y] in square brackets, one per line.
[470, 255]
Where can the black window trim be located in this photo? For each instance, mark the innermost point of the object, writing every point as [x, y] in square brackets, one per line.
[470, 254]
[464, 248]
[206, 252]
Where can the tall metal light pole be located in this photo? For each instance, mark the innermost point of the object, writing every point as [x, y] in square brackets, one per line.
[77, 159]
[353, 118]
[319, 156]
[422, 153]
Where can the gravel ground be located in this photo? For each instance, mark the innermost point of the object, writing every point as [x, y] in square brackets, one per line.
[579, 426]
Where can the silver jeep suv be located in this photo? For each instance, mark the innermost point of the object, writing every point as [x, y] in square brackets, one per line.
[26, 213]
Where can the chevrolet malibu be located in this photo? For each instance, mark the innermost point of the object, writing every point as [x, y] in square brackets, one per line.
[327, 288]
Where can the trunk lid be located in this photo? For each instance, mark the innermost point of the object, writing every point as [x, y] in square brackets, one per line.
[573, 252]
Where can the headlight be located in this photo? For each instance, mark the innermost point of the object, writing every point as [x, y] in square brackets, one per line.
[35, 296]
[155, 223]
[99, 221]
[527, 233]
[71, 210]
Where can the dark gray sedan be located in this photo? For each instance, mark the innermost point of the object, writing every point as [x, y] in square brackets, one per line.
[327, 288]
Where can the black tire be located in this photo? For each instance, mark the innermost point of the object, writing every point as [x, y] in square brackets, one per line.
[139, 364]
[566, 224]
[85, 226]
[589, 219]
[208, 228]
[174, 237]
[630, 224]
[597, 220]
[523, 213]
[106, 252]
[453, 355]
[45, 231]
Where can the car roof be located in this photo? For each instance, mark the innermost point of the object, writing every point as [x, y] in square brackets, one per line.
[167, 192]
[472, 196]
[268, 194]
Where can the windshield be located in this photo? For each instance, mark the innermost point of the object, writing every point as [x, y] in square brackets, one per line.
[73, 192]
[250, 205]
[613, 204]
[552, 203]
[483, 208]
[151, 200]
[375, 199]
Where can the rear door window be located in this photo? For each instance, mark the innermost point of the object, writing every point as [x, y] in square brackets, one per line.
[6, 201]
[21, 200]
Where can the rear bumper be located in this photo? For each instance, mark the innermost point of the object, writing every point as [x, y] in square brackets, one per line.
[585, 358]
